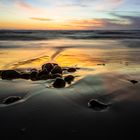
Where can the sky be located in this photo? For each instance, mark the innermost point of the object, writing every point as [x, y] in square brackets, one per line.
[70, 14]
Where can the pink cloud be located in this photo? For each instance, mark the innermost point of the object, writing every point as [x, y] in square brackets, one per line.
[24, 5]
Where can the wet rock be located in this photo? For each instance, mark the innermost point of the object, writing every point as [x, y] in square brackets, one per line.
[25, 76]
[22, 131]
[33, 76]
[59, 83]
[33, 70]
[53, 76]
[43, 75]
[69, 79]
[71, 70]
[133, 81]
[48, 66]
[101, 64]
[10, 74]
[55, 64]
[97, 105]
[57, 69]
[11, 99]
[0, 72]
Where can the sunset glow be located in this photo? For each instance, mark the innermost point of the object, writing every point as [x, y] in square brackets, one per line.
[69, 14]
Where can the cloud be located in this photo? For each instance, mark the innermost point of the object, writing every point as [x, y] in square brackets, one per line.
[40, 19]
[24, 5]
[108, 4]
[118, 22]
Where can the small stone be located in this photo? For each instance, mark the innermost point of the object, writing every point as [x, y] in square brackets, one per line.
[133, 81]
[48, 66]
[97, 105]
[10, 74]
[59, 83]
[57, 69]
[72, 70]
[103, 64]
[69, 79]
[11, 99]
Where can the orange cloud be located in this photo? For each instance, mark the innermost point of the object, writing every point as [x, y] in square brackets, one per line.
[40, 19]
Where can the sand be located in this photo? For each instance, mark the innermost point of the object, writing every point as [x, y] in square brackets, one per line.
[53, 112]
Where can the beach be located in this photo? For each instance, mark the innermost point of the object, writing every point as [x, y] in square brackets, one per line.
[106, 65]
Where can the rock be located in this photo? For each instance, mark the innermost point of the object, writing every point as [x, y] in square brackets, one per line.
[33, 70]
[69, 79]
[101, 64]
[71, 70]
[10, 74]
[97, 105]
[22, 131]
[48, 66]
[0, 72]
[33, 75]
[53, 76]
[25, 76]
[57, 69]
[11, 99]
[55, 64]
[59, 83]
[43, 75]
[133, 81]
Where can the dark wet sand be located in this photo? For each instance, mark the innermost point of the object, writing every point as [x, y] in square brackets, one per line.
[46, 112]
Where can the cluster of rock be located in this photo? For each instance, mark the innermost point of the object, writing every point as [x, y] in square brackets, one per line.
[48, 71]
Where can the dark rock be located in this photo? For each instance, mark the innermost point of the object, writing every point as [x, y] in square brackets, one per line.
[133, 81]
[33, 70]
[59, 83]
[101, 64]
[55, 64]
[97, 105]
[11, 99]
[69, 79]
[33, 76]
[22, 131]
[71, 70]
[48, 66]
[53, 76]
[25, 76]
[0, 72]
[43, 75]
[10, 74]
[57, 69]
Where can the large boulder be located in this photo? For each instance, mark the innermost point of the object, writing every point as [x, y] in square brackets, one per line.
[10, 74]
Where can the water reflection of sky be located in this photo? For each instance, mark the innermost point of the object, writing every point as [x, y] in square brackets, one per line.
[81, 53]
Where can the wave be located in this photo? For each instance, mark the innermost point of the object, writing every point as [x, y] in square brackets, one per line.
[71, 34]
